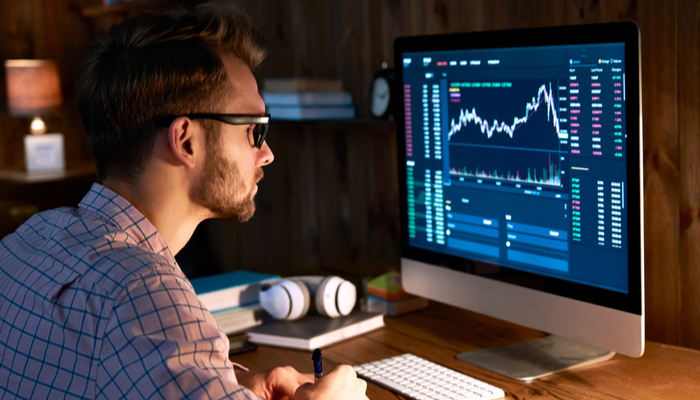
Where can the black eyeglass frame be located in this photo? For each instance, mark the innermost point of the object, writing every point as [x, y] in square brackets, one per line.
[261, 123]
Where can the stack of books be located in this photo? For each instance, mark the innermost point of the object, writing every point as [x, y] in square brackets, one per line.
[232, 298]
[307, 99]
[385, 294]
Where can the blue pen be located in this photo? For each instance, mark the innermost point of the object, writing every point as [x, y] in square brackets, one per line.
[318, 364]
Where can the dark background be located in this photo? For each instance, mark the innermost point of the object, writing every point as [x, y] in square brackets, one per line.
[328, 204]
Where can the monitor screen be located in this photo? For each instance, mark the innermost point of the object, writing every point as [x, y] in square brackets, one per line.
[519, 160]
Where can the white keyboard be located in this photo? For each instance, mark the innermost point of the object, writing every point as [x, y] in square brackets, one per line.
[420, 379]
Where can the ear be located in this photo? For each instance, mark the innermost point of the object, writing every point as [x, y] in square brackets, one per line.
[184, 140]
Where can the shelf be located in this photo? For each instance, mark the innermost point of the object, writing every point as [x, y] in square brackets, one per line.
[16, 176]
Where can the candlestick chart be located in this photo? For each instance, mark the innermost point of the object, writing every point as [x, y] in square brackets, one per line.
[510, 133]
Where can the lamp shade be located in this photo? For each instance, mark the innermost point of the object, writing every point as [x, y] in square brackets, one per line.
[33, 87]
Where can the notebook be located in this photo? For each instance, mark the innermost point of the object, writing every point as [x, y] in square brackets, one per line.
[315, 331]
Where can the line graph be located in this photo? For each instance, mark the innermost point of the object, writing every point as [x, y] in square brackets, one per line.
[469, 116]
[511, 134]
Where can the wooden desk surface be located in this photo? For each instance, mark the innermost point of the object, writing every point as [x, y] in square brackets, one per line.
[440, 332]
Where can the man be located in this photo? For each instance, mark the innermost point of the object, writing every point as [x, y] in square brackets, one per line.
[92, 302]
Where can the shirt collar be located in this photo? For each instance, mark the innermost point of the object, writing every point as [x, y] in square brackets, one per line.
[118, 211]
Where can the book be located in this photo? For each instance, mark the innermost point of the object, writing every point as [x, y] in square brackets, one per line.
[315, 331]
[238, 319]
[298, 113]
[403, 305]
[293, 84]
[230, 289]
[307, 98]
[387, 286]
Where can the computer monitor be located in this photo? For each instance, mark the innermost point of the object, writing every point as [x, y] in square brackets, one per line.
[520, 163]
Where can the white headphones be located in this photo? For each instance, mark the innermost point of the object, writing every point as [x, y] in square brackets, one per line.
[290, 298]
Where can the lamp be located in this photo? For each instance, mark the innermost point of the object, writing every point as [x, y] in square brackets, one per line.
[34, 90]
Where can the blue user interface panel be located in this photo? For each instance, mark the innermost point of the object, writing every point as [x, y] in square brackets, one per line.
[517, 157]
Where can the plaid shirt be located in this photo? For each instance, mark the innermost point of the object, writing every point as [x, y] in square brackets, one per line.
[93, 305]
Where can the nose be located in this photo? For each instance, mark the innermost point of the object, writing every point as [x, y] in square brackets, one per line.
[264, 155]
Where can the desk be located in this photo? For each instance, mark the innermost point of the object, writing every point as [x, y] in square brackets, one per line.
[440, 332]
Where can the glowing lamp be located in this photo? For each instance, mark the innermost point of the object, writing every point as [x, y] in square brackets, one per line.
[34, 90]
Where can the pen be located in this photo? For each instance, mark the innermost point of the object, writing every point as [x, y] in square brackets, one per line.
[318, 364]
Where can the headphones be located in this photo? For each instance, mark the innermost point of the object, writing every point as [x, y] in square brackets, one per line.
[290, 299]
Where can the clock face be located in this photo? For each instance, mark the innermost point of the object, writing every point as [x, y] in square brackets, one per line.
[380, 96]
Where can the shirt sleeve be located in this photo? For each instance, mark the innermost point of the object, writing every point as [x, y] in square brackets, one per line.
[162, 342]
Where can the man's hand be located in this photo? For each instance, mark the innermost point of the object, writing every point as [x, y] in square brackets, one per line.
[275, 383]
[339, 384]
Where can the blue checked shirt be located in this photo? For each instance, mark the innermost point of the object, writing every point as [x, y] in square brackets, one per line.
[93, 305]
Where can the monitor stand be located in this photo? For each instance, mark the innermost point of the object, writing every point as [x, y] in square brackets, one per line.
[536, 358]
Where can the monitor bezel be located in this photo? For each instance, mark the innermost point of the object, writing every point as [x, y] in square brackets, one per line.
[621, 32]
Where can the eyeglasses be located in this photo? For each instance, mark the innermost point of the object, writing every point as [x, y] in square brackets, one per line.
[260, 122]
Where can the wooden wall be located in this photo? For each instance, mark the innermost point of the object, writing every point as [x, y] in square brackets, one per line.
[44, 29]
[350, 39]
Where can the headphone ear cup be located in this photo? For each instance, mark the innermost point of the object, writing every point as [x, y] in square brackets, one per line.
[275, 300]
[286, 299]
[335, 297]
[346, 297]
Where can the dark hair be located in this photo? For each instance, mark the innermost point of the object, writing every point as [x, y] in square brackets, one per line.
[151, 66]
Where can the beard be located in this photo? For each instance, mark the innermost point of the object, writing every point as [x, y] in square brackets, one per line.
[223, 190]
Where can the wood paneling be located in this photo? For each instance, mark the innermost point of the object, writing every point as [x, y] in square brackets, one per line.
[661, 164]
[44, 29]
[689, 162]
[324, 202]
[670, 70]
[669, 32]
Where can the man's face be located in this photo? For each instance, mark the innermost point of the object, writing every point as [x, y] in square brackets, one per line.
[233, 166]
